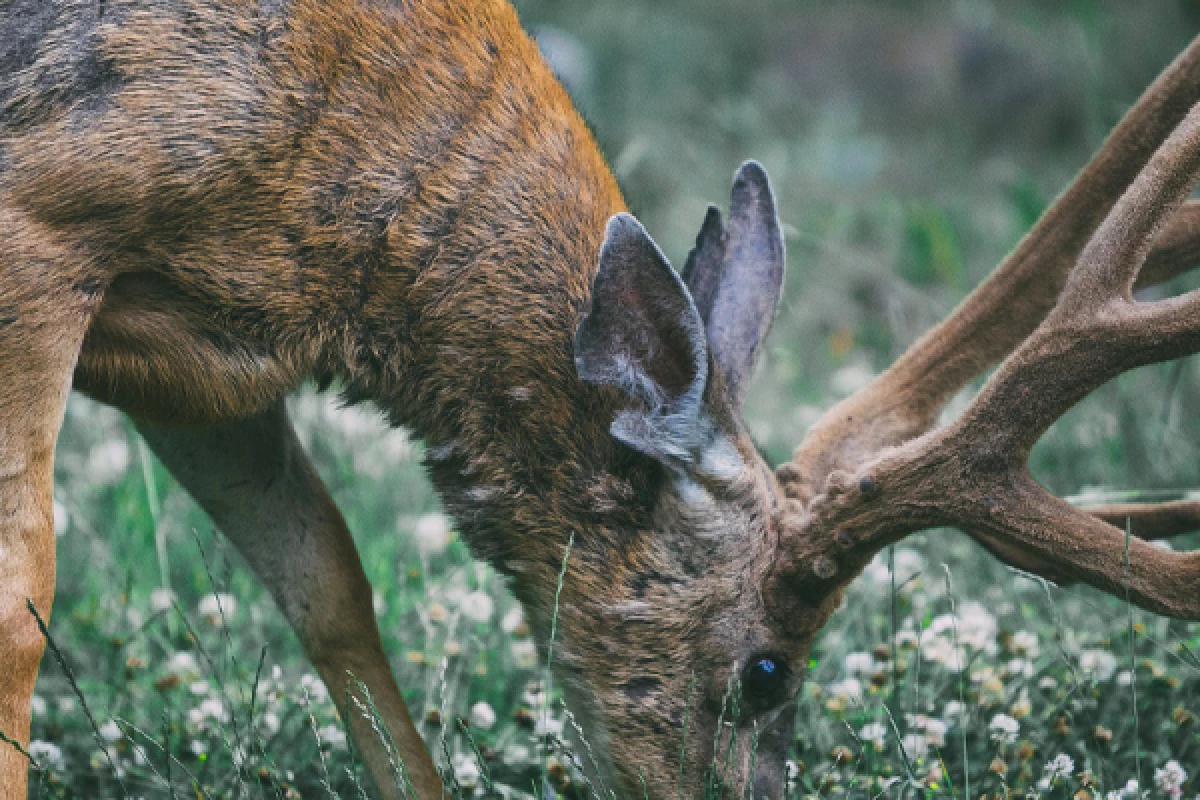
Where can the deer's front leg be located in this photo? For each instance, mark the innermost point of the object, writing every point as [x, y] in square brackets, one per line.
[256, 482]
[47, 297]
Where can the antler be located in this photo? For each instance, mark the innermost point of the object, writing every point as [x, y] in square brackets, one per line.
[872, 471]
[905, 400]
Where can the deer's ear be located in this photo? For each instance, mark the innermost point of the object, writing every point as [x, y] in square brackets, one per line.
[735, 274]
[644, 336]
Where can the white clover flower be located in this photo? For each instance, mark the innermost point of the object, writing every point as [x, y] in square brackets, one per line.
[198, 747]
[199, 688]
[547, 725]
[1047, 683]
[111, 731]
[466, 771]
[62, 520]
[1020, 667]
[318, 692]
[477, 606]
[214, 709]
[860, 663]
[107, 461]
[333, 736]
[183, 663]
[66, 704]
[935, 733]
[875, 733]
[37, 705]
[46, 754]
[1124, 678]
[1100, 664]
[524, 653]
[1059, 768]
[482, 716]
[517, 755]
[915, 745]
[512, 619]
[161, 600]
[432, 532]
[213, 606]
[1025, 643]
[954, 708]
[1170, 778]
[848, 689]
[1003, 729]
[850, 378]
[270, 722]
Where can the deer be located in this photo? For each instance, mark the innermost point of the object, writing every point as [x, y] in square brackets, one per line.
[204, 205]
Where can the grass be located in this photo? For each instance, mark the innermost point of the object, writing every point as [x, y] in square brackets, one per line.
[897, 197]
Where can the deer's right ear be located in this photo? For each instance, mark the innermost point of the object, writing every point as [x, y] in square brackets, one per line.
[644, 336]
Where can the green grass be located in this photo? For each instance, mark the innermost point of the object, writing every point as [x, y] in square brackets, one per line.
[898, 194]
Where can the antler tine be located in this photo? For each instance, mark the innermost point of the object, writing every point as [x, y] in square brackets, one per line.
[972, 474]
[904, 401]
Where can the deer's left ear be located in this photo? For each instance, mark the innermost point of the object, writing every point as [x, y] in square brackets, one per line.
[735, 274]
[644, 336]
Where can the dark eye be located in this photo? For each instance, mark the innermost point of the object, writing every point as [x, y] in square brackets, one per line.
[765, 681]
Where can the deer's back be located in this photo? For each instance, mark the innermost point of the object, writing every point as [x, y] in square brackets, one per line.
[269, 186]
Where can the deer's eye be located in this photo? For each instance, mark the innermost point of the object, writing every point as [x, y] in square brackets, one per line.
[765, 680]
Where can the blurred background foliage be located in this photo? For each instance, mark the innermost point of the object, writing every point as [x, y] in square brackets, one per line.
[910, 145]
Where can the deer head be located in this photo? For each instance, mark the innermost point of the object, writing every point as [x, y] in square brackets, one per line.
[708, 619]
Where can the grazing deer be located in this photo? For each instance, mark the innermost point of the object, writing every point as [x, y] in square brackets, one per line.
[203, 204]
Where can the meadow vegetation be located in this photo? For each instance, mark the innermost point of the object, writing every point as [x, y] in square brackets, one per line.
[910, 143]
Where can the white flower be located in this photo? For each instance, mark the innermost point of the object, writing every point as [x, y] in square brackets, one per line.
[1004, 729]
[1047, 683]
[1124, 678]
[907, 638]
[107, 461]
[1025, 643]
[954, 708]
[874, 733]
[66, 705]
[111, 731]
[1100, 664]
[199, 688]
[548, 726]
[915, 745]
[333, 736]
[270, 722]
[183, 662]
[466, 771]
[860, 663]
[1020, 667]
[1059, 768]
[433, 533]
[318, 692]
[62, 520]
[198, 747]
[1170, 778]
[161, 600]
[477, 606]
[850, 378]
[524, 653]
[37, 705]
[46, 754]
[482, 716]
[512, 619]
[214, 709]
[213, 606]
[848, 689]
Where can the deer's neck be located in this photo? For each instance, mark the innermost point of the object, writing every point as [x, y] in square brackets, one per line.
[477, 225]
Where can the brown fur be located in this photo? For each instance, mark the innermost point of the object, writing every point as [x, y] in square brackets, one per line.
[230, 198]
